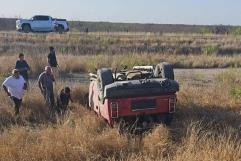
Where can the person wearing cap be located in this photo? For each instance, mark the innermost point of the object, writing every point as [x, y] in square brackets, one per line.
[63, 100]
[23, 67]
[45, 83]
[52, 61]
[14, 87]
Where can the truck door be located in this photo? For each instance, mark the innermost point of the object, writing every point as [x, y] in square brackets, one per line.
[49, 25]
[41, 23]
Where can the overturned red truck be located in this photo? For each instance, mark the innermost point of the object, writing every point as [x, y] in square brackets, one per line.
[139, 98]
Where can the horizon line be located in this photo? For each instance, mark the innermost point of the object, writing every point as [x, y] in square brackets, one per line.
[143, 23]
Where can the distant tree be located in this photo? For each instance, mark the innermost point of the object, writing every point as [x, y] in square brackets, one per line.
[221, 29]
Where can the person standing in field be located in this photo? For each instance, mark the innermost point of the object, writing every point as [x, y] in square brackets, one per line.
[52, 61]
[63, 100]
[23, 67]
[46, 87]
[14, 86]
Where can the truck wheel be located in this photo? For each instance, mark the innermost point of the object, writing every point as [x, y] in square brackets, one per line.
[104, 77]
[164, 70]
[26, 28]
[60, 29]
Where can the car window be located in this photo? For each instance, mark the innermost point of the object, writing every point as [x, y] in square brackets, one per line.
[35, 18]
[41, 18]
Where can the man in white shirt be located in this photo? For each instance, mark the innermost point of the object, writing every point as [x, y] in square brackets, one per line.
[14, 86]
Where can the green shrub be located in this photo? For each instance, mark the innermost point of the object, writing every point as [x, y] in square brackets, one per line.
[228, 76]
[205, 30]
[236, 31]
[236, 91]
[208, 50]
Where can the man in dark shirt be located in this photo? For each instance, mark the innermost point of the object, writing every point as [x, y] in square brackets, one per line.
[52, 57]
[52, 61]
[46, 87]
[22, 67]
[63, 100]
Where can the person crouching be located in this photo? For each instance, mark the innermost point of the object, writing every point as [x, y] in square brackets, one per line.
[63, 100]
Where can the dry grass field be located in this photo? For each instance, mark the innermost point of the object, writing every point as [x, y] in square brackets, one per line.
[207, 124]
[80, 52]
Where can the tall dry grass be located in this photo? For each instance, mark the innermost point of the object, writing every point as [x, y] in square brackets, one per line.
[88, 63]
[206, 127]
[117, 43]
[85, 52]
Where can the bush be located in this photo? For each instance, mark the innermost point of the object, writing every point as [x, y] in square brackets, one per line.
[236, 31]
[208, 50]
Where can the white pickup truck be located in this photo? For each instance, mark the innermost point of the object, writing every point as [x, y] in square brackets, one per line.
[41, 23]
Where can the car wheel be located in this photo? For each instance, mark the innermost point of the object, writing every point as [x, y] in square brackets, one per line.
[164, 70]
[60, 29]
[105, 77]
[26, 28]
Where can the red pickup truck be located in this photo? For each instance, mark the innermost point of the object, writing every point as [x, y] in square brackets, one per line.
[139, 98]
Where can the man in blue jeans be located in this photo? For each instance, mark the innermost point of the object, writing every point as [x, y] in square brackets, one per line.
[46, 87]
[14, 86]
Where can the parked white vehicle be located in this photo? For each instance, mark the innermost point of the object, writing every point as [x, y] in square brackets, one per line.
[42, 23]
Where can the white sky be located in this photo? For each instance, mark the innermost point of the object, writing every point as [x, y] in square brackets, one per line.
[141, 11]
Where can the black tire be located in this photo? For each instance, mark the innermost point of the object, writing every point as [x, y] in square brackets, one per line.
[104, 77]
[164, 70]
[26, 28]
[60, 29]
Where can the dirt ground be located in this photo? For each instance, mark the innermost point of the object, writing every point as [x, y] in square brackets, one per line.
[198, 77]
[183, 76]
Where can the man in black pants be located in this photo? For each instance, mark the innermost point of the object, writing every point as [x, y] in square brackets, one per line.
[52, 61]
[14, 86]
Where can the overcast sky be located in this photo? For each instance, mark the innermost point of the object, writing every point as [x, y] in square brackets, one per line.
[140, 11]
